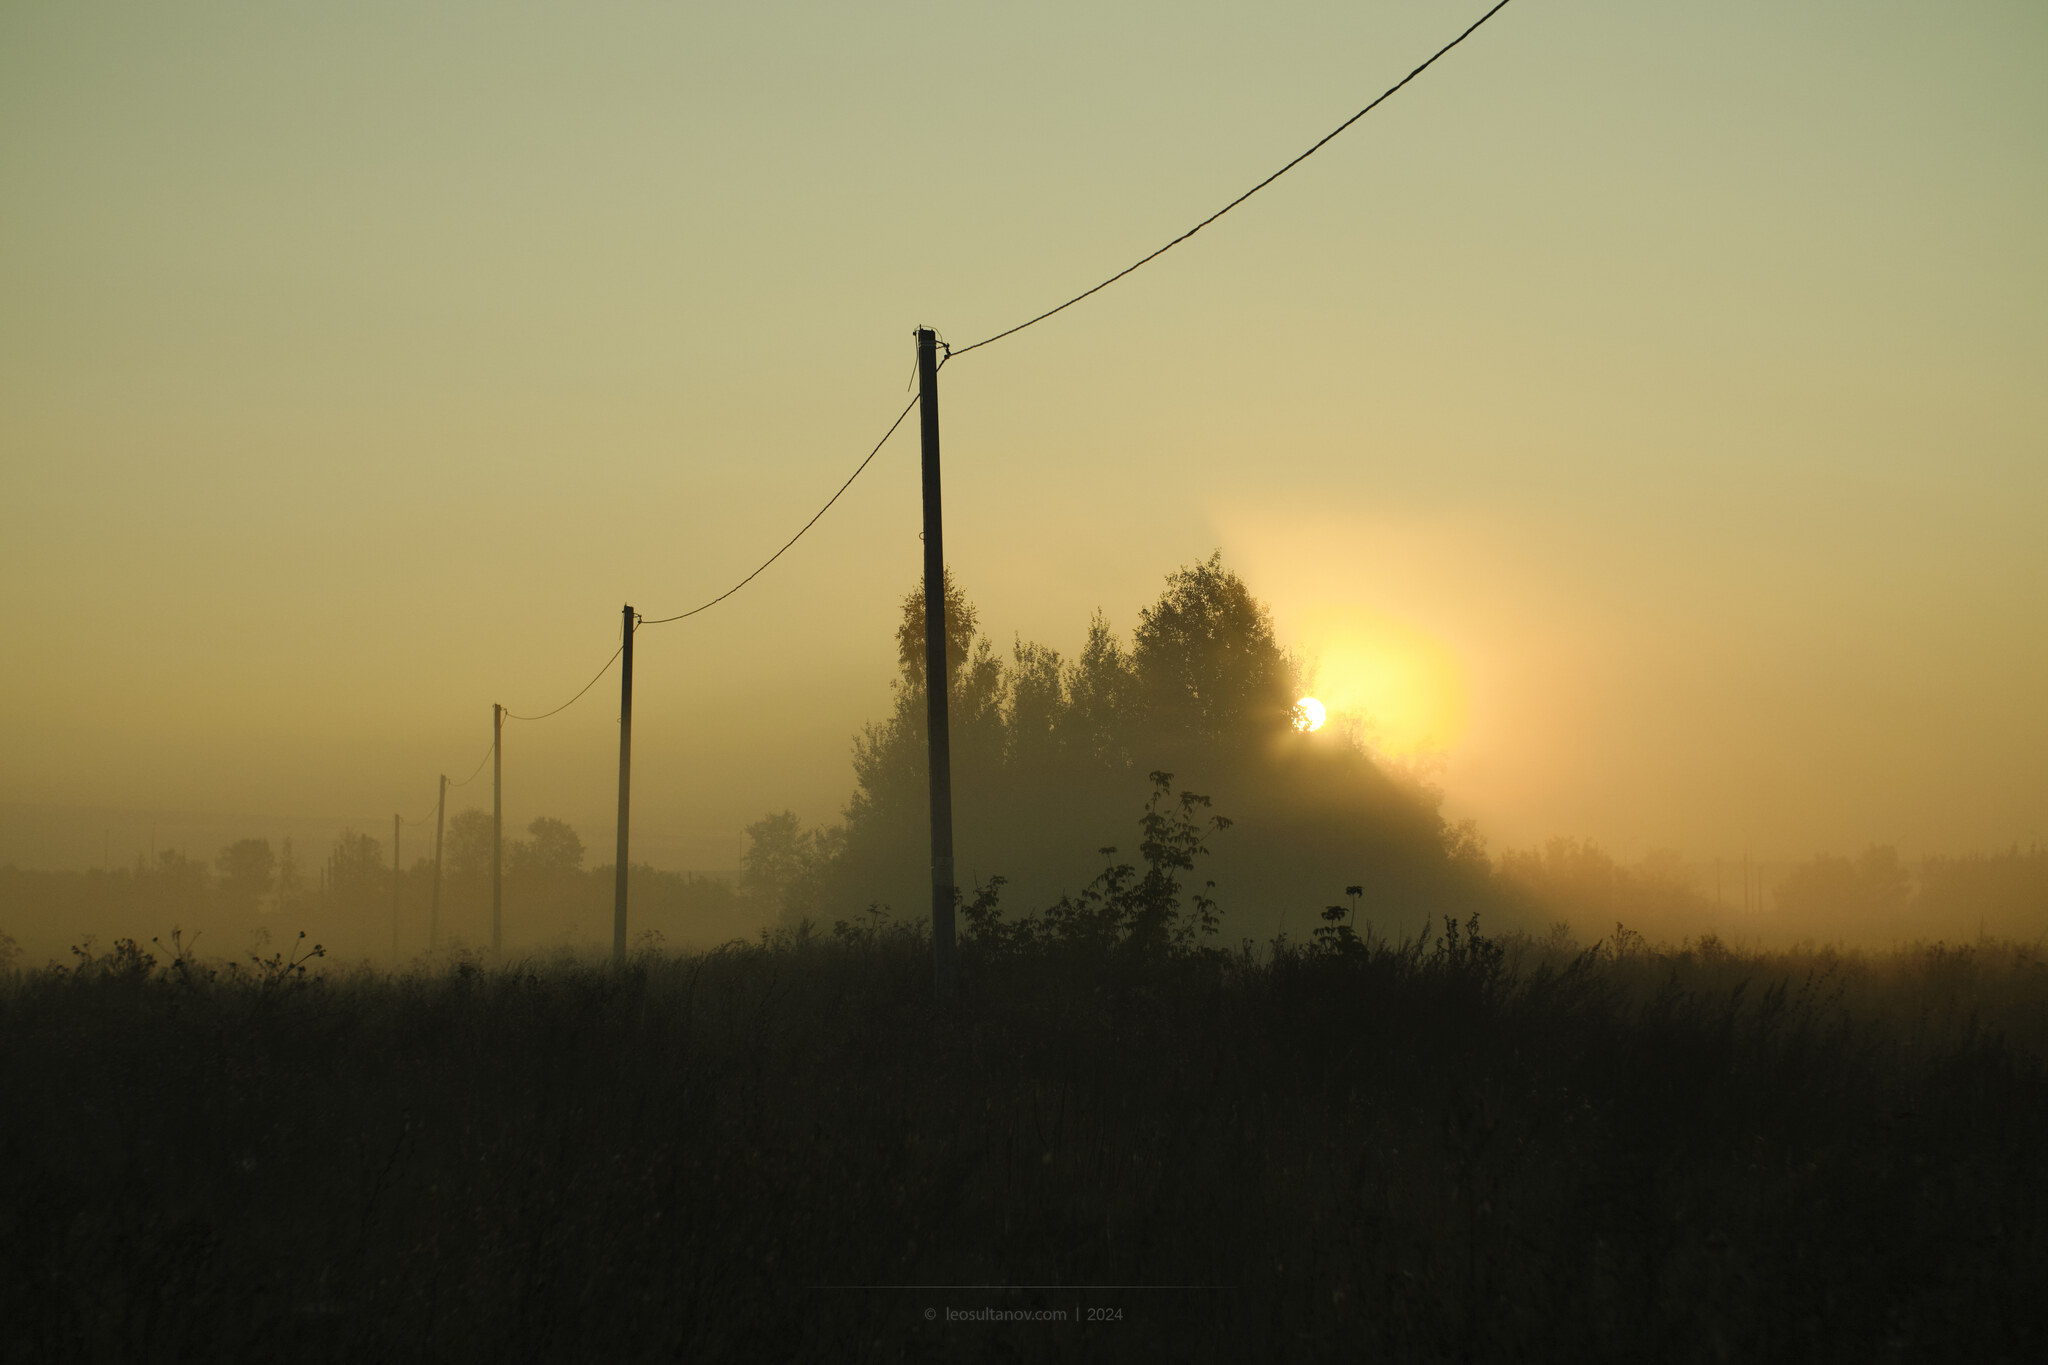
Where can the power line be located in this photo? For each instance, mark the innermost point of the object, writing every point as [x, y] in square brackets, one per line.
[479, 766]
[664, 620]
[985, 341]
[642, 621]
[580, 691]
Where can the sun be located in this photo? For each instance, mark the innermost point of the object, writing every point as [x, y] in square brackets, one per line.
[1311, 714]
[1402, 684]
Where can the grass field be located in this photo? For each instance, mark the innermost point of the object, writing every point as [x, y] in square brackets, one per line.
[1458, 1150]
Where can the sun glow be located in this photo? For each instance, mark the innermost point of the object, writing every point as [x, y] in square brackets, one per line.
[1311, 714]
[1402, 684]
[1381, 643]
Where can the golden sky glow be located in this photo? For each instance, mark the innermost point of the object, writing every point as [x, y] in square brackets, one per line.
[1403, 686]
[1668, 380]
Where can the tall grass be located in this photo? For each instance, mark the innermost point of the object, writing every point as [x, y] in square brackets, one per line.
[1454, 1149]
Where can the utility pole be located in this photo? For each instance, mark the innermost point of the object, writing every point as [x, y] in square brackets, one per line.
[625, 788]
[434, 906]
[397, 871]
[937, 677]
[497, 828]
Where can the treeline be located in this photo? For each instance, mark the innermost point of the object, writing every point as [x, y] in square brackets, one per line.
[1053, 759]
[1875, 897]
[1873, 900]
[254, 898]
[1053, 762]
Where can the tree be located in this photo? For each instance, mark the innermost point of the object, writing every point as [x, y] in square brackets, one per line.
[553, 853]
[1049, 758]
[545, 869]
[245, 868]
[356, 871]
[466, 849]
[1038, 705]
[1206, 660]
[1101, 693]
[960, 622]
[785, 866]
[774, 856]
[977, 683]
[886, 816]
[466, 874]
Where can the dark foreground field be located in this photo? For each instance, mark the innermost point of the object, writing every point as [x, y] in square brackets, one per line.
[1450, 1153]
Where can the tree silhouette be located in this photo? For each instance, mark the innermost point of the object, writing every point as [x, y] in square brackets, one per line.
[1101, 698]
[1206, 661]
[1050, 757]
[960, 623]
[466, 849]
[785, 867]
[356, 875]
[552, 852]
[245, 869]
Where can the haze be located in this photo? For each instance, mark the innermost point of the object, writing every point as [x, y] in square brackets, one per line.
[1639, 420]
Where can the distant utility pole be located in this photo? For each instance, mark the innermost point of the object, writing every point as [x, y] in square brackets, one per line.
[497, 828]
[937, 677]
[397, 870]
[434, 906]
[625, 788]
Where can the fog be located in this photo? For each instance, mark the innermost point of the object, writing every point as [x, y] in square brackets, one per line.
[1070, 776]
[1633, 431]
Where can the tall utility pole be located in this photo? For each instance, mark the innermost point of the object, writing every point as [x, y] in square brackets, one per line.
[497, 828]
[937, 677]
[625, 787]
[434, 906]
[397, 870]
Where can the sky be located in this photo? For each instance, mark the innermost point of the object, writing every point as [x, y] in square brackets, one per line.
[1638, 422]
